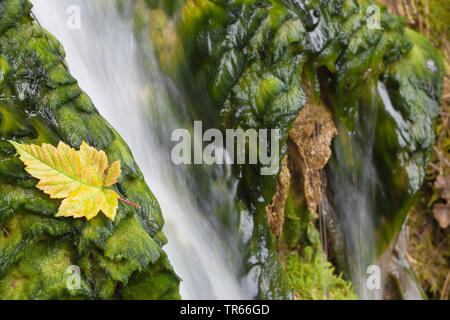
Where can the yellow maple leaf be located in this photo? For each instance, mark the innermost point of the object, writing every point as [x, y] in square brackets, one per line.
[81, 177]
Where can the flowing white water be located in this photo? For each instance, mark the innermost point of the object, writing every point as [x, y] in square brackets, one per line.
[102, 55]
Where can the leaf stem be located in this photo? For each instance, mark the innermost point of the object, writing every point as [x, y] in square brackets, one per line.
[131, 203]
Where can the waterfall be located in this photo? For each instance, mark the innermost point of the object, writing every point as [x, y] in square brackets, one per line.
[102, 55]
[350, 205]
[353, 175]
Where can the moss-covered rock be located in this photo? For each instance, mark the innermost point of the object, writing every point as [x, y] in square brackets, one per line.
[41, 102]
[405, 136]
[240, 64]
[246, 60]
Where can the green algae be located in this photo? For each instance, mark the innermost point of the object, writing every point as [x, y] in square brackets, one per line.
[41, 102]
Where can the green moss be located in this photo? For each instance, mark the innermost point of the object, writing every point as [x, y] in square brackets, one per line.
[297, 218]
[312, 277]
[43, 273]
[141, 250]
[157, 282]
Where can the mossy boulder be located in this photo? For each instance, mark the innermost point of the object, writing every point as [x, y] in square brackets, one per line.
[41, 102]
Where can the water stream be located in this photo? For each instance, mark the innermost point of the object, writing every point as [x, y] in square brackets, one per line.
[352, 176]
[351, 209]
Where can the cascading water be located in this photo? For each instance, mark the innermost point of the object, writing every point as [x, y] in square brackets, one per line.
[352, 171]
[102, 55]
[350, 204]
